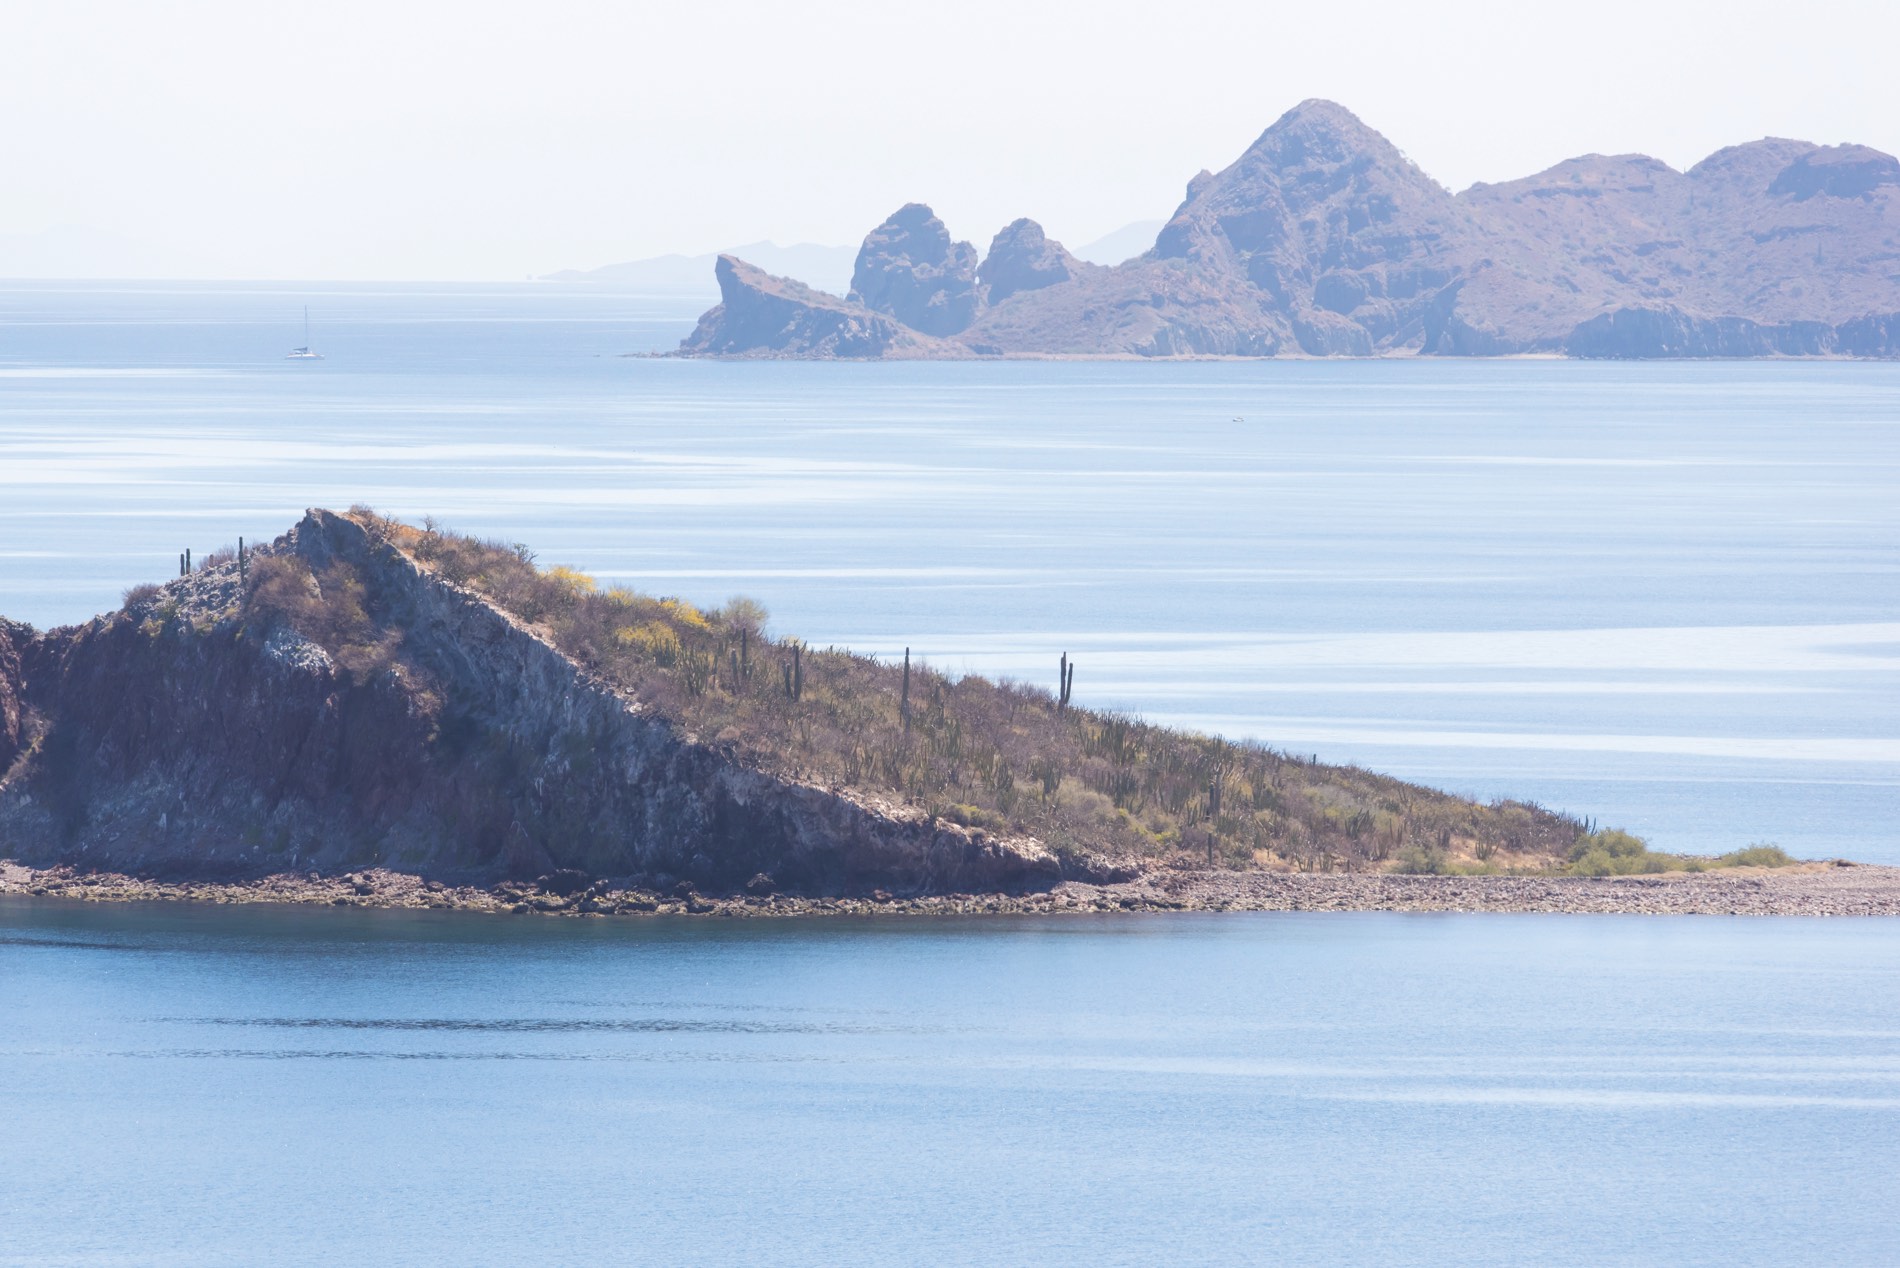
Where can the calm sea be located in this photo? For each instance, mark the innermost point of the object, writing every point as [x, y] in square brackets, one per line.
[1661, 595]
[1666, 596]
[229, 1086]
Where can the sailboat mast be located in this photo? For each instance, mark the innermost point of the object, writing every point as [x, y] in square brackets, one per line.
[306, 325]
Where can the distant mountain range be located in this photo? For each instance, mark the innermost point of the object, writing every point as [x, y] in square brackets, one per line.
[1324, 240]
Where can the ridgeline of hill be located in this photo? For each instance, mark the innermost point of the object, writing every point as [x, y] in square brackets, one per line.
[363, 693]
[1323, 239]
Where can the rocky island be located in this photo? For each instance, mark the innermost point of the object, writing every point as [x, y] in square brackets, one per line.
[1323, 240]
[366, 712]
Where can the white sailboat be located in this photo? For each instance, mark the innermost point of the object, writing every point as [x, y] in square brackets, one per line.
[304, 353]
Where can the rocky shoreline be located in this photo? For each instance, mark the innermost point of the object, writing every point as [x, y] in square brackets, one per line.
[1813, 889]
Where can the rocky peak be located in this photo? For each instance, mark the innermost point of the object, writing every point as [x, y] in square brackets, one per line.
[1317, 183]
[1022, 258]
[1331, 221]
[1748, 169]
[909, 268]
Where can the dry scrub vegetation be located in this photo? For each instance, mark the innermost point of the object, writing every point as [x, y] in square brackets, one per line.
[1003, 756]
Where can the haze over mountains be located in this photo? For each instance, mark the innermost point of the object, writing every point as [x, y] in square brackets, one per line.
[1324, 240]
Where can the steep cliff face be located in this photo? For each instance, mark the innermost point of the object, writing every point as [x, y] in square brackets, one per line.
[910, 269]
[195, 735]
[14, 639]
[1323, 239]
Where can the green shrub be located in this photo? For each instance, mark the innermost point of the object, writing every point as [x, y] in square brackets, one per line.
[1761, 854]
[1417, 861]
[654, 641]
[1614, 852]
[975, 817]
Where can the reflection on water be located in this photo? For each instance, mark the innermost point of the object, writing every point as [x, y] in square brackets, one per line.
[1661, 595]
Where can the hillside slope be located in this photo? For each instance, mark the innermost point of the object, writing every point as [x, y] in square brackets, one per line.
[363, 693]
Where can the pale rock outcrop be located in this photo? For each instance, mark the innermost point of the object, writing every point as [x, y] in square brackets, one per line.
[910, 269]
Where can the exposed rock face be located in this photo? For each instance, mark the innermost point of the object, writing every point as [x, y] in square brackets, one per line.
[1323, 239]
[182, 739]
[909, 268]
[759, 313]
[1840, 171]
[1022, 258]
[1346, 239]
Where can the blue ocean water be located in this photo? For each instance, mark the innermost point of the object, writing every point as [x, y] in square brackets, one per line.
[211, 1086]
[1661, 595]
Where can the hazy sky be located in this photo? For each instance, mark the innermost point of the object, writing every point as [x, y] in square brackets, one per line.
[491, 140]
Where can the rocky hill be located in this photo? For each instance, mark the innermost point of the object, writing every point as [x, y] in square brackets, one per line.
[1324, 240]
[367, 694]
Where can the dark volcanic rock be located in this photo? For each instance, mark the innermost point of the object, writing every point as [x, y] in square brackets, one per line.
[1021, 258]
[184, 738]
[1324, 239]
[909, 268]
[762, 315]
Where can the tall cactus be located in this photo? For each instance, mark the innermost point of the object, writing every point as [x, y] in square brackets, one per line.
[903, 707]
[241, 564]
[1065, 679]
[795, 673]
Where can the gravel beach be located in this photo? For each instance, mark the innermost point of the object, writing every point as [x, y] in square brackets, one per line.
[1809, 889]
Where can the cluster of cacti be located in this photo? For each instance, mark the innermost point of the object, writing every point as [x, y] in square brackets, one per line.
[1011, 757]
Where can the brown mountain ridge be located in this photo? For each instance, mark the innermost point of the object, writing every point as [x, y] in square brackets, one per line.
[1324, 240]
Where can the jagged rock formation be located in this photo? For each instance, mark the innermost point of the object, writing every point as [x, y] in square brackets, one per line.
[1021, 259]
[180, 737]
[909, 268]
[758, 314]
[1324, 240]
